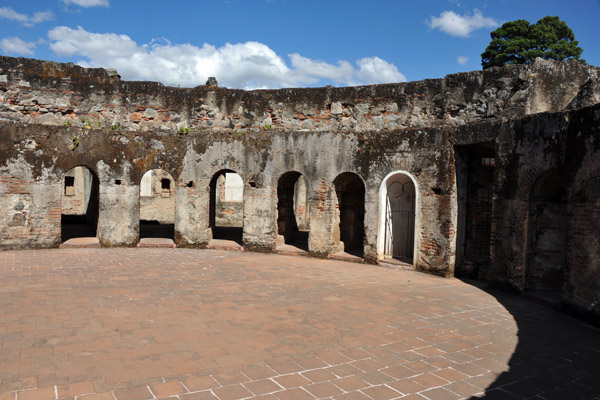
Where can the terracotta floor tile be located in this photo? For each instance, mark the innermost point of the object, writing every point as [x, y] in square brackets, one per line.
[319, 375]
[195, 384]
[262, 386]
[323, 389]
[232, 392]
[293, 394]
[226, 322]
[205, 395]
[291, 381]
[167, 389]
[37, 394]
[381, 392]
[138, 393]
[75, 389]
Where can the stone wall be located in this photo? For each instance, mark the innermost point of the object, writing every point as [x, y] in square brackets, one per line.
[54, 94]
[473, 144]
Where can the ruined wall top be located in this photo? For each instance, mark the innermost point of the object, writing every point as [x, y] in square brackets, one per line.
[50, 93]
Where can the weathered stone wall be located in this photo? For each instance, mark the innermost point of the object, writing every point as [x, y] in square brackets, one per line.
[53, 94]
[45, 153]
[435, 132]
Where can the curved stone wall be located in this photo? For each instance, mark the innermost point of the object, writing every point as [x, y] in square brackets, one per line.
[466, 141]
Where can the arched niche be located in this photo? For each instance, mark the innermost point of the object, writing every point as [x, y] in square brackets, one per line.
[79, 203]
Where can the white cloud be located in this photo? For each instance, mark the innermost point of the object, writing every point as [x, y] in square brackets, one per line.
[14, 45]
[462, 60]
[375, 70]
[87, 3]
[460, 25]
[24, 19]
[247, 65]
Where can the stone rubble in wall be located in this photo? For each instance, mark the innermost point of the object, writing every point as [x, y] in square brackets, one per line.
[20, 100]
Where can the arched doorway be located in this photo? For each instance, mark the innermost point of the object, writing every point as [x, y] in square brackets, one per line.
[292, 215]
[79, 204]
[350, 201]
[227, 206]
[400, 198]
[157, 205]
[547, 235]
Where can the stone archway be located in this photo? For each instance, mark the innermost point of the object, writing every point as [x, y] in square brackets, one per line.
[397, 239]
[293, 225]
[400, 218]
[157, 205]
[226, 206]
[350, 202]
[79, 204]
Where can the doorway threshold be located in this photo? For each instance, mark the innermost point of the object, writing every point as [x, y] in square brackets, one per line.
[80, 242]
[157, 242]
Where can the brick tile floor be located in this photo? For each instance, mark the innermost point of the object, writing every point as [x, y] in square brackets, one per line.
[137, 324]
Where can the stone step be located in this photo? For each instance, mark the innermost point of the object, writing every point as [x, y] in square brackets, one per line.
[157, 242]
[392, 263]
[223, 244]
[343, 256]
[80, 242]
[290, 250]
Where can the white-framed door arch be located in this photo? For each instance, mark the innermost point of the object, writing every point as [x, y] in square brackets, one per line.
[383, 192]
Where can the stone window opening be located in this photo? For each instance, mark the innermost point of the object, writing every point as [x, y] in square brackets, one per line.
[69, 186]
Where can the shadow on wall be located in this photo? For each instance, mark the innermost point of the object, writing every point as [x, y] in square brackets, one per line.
[557, 357]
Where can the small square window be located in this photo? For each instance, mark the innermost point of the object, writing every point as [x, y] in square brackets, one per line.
[69, 186]
[488, 162]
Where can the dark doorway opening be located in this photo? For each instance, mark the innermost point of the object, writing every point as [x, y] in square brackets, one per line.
[350, 193]
[226, 206]
[474, 181]
[292, 212]
[79, 204]
[547, 236]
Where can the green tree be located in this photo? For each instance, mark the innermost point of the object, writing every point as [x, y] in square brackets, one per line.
[519, 42]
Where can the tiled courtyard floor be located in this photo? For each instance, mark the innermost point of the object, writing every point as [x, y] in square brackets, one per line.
[135, 324]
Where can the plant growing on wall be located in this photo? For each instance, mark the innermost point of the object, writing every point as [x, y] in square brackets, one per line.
[182, 131]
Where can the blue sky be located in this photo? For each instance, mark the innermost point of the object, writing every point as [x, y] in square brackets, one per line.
[277, 43]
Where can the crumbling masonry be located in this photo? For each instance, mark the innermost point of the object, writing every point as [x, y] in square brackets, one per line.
[492, 174]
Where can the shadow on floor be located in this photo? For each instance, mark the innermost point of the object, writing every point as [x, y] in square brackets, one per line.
[552, 360]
